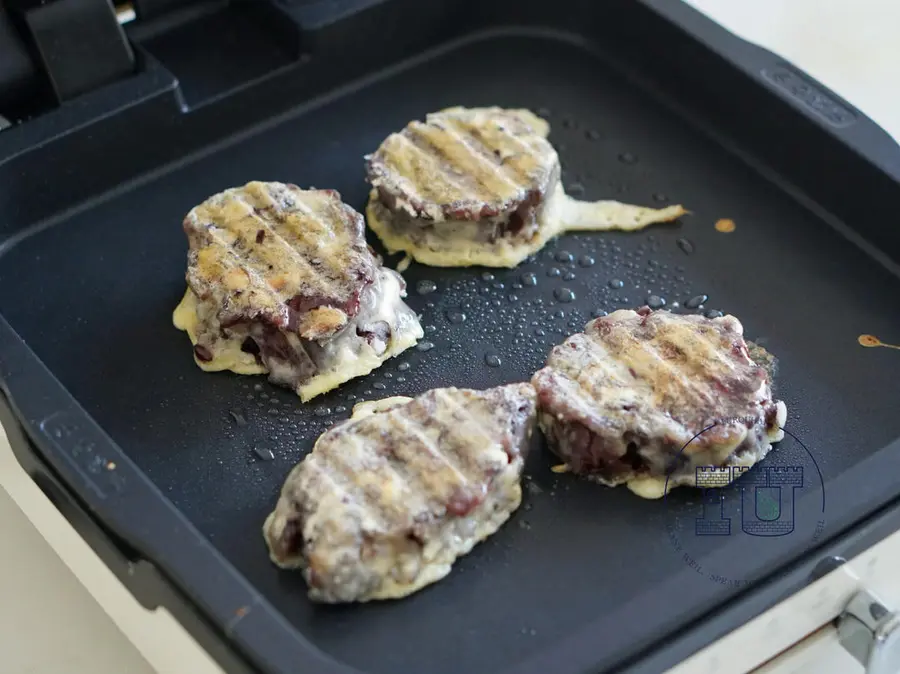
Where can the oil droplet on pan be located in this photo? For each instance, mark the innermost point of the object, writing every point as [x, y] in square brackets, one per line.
[725, 225]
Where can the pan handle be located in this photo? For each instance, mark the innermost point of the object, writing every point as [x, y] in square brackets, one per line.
[117, 509]
[824, 107]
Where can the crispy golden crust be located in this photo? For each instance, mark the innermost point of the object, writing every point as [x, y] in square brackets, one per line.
[294, 259]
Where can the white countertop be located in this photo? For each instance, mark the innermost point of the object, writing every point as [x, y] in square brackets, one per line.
[65, 613]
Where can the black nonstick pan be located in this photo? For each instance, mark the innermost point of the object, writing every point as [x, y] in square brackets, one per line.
[170, 471]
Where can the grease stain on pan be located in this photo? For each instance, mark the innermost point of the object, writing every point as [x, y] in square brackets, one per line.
[725, 225]
[872, 341]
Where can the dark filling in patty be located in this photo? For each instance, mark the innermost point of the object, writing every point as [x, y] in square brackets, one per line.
[290, 359]
[587, 453]
[521, 224]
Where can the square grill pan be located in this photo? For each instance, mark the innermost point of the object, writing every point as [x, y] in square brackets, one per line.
[161, 466]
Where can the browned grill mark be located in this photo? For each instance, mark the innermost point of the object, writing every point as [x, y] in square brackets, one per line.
[343, 474]
[493, 141]
[264, 246]
[461, 156]
[420, 461]
[445, 171]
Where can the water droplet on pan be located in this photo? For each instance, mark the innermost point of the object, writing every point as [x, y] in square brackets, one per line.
[403, 367]
[628, 158]
[598, 313]
[615, 284]
[660, 197]
[586, 261]
[686, 246]
[238, 418]
[424, 346]
[323, 412]
[575, 189]
[592, 134]
[379, 386]
[569, 276]
[263, 453]
[713, 313]
[455, 316]
[529, 280]
[563, 295]
[564, 256]
[492, 360]
[696, 302]
[487, 276]
[553, 272]
[656, 302]
[425, 287]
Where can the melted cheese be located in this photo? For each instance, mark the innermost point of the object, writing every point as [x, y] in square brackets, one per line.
[369, 407]
[228, 356]
[561, 214]
[348, 356]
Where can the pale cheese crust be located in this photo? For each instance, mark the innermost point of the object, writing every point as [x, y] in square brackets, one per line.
[282, 282]
[560, 214]
[644, 398]
[390, 498]
[348, 357]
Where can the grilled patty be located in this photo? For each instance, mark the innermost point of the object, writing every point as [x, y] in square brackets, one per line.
[644, 396]
[390, 498]
[480, 186]
[281, 281]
